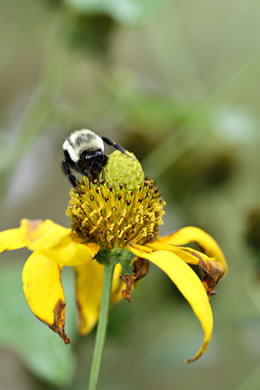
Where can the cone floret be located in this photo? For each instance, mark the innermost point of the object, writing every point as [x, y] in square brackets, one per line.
[120, 209]
[123, 169]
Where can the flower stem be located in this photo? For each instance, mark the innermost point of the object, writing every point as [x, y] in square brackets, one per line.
[102, 325]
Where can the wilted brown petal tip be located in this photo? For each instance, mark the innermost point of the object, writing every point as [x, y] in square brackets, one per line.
[211, 273]
[59, 319]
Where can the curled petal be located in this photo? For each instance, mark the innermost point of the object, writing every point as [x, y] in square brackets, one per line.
[44, 292]
[211, 273]
[89, 282]
[189, 285]
[140, 270]
[190, 256]
[193, 234]
[211, 270]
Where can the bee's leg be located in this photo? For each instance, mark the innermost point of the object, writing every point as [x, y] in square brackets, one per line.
[85, 173]
[67, 172]
[103, 174]
[103, 164]
[112, 143]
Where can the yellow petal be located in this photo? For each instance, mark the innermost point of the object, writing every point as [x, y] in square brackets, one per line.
[190, 256]
[12, 239]
[71, 253]
[39, 233]
[57, 243]
[33, 234]
[189, 285]
[54, 241]
[117, 285]
[42, 234]
[89, 282]
[193, 234]
[44, 292]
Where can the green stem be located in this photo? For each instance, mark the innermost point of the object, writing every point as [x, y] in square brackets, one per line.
[102, 326]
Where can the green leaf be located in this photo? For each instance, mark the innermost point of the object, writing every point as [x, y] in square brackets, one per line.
[40, 349]
[123, 11]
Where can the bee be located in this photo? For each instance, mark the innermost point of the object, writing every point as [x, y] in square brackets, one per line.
[84, 152]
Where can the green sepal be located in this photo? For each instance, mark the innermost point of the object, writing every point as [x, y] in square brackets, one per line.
[126, 263]
[116, 255]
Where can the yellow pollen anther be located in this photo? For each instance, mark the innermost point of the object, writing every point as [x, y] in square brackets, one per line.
[116, 217]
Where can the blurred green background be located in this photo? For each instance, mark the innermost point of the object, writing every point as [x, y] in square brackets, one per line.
[177, 83]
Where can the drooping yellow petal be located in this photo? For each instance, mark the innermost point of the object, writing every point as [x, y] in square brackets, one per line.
[42, 234]
[33, 234]
[189, 285]
[54, 241]
[68, 252]
[12, 239]
[211, 269]
[89, 282]
[117, 285]
[189, 255]
[57, 243]
[44, 292]
[193, 234]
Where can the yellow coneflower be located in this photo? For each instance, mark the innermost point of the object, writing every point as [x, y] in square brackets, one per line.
[115, 219]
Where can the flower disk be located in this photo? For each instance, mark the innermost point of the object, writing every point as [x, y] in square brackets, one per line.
[115, 218]
[118, 210]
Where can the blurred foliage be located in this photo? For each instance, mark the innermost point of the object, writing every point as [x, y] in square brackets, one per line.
[89, 24]
[176, 83]
[252, 239]
[90, 34]
[123, 11]
[253, 229]
[201, 170]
